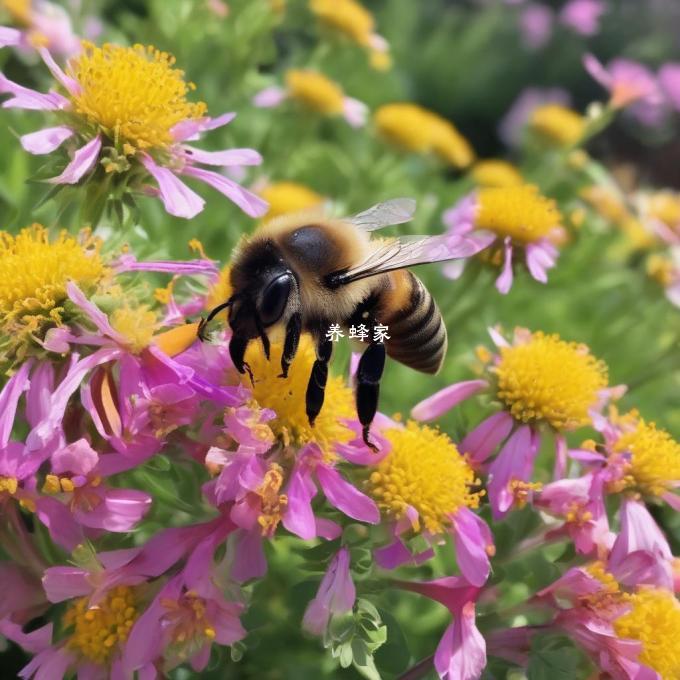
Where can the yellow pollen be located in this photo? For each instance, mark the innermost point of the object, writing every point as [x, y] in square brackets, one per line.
[98, 631]
[9, 484]
[187, 619]
[548, 379]
[289, 197]
[654, 620]
[315, 91]
[558, 124]
[132, 94]
[220, 291]
[522, 491]
[273, 503]
[137, 324]
[520, 212]
[34, 271]
[55, 484]
[496, 173]
[655, 458]
[416, 129]
[576, 514]
[286, 397]
[423, 470]
[347, 17]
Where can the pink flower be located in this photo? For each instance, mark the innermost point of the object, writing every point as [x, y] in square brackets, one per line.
[626, 81]
[669, 80]
[163, 158]
[461, 653]
[536, 25]
[336, 595]
[583, 16]
[47, 25]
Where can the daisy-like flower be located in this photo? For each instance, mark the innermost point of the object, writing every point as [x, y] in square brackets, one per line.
[461, 652]
[424, 486]
[39, 24]
[626, 81]
[542, 385]
[315, 92]
[352, 20]
[125, 113]
[496, 173]
[524, 221]
[628, 629]
[416, 129]
[640, 457]
[288, 197]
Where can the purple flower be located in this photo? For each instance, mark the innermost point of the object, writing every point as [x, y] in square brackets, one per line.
[583, 16]
[149, 138]
[626, 81]
[536, 25]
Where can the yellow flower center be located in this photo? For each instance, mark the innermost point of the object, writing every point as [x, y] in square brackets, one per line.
[654, 620]
[34, 272]
[315, 91]
[423, 470]
[132, 94]
[548, 379]
[558, 124]
[220, 291]
[496, 173]
[661, 269]
[347, 17]
[286, 397]
[655, 458]
[187, 618]
[610, 596]
[136, 324]
[9, 484]
[520, 212]
[273, 502]
[665, 206]
[289, 197]
[417, 129]
[98, 631]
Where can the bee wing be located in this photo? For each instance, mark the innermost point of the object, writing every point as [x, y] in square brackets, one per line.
[407, 251]
[394, 211]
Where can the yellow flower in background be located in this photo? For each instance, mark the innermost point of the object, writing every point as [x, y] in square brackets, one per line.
[417, 129]
[496, 173]
[558, 124]
[289, 197]
[352, 20]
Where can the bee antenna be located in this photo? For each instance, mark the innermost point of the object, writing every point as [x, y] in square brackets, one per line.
[214, 312]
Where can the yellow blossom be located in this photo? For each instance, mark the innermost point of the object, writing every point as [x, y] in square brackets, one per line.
[548, 379]
[289, 197]
[315, 91]
[496, 173]
[423, 470]
[558, 124]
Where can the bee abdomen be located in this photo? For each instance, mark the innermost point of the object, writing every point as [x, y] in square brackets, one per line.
[417, 332]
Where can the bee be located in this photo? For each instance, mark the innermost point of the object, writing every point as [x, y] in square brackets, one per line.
[303, 273]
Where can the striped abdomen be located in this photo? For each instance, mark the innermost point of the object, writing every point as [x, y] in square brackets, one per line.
[416, 329]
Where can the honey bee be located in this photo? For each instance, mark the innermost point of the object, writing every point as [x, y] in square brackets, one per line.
[304, 273]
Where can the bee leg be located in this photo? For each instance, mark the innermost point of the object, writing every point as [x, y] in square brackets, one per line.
[290, 344]
[316, 387]
[369, 372]
[237, 350]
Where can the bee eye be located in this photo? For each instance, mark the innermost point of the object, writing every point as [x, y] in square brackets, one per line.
[274, 299]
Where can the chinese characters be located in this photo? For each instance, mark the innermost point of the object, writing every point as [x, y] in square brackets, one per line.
[360, 332]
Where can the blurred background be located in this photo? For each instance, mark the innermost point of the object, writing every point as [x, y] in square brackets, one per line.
[468, 61]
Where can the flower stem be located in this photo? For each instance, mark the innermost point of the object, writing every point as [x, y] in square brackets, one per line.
[420, 670]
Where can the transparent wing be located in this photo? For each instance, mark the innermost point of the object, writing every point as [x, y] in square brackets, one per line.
[394, 211]
[407, 251]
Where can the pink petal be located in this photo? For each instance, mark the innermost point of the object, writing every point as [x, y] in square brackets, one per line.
[483, 440]
[473, 542]
[63, 528]
[179, 200]
[504, 281]
[672, 499]
[119, 510]
[444, 400]
[461, 653]
[190, 129]
[539, 259]
[94, 314]
[223, 158]
[77, 458]
[269, 97]
[669, 79]
[25, 98]
[64, 583]
[47, 140]
[299, 517]
[355, 112]
[9, 37]
[72, 86]
[326, 528]
[345, 497]
[250, 203]
[595, 68]
[9, 400]
[83, 161]
[249, 560]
